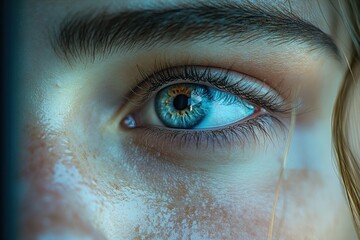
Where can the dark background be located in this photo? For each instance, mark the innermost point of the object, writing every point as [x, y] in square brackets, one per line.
[10, 23]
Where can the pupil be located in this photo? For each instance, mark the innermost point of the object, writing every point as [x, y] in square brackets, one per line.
[181, 102]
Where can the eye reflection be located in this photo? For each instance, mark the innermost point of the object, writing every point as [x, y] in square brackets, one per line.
[187, 106]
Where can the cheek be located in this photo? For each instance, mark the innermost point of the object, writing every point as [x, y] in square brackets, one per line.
[311, 206]
[49, 186]
[141, 198]
[74, 189]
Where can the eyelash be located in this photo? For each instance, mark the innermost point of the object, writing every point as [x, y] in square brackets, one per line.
[238, 133]
[167, 73]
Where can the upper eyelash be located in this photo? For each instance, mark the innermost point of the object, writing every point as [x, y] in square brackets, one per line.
[167, 73]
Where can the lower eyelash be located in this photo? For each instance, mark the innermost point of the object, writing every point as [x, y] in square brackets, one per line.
[245, 132]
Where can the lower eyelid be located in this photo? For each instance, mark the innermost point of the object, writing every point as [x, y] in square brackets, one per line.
[255, 130]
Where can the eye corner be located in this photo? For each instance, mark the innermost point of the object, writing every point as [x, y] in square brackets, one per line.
[128, 122]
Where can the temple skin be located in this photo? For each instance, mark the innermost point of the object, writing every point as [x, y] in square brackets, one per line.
[83, 177]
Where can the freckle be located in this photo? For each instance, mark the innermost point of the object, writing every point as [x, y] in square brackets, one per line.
[137, 229]
[116, 186]
[84, 155]
[187, 210]
[171, 206]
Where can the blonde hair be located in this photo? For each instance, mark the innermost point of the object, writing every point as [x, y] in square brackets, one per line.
[345, 129]
[347, 144]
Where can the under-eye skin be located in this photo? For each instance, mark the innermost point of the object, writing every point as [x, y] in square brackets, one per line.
[204, 107]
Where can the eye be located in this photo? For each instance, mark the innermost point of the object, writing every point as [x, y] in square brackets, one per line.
[196, 106]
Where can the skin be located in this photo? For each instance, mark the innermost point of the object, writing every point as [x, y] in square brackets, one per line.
[82, 175]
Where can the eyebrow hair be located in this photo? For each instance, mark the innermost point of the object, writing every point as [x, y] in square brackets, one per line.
[102, 33]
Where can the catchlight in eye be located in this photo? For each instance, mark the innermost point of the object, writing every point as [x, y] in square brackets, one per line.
[182, 105]
[191, 106]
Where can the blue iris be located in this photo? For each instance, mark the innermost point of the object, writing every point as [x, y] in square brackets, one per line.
[182, 105]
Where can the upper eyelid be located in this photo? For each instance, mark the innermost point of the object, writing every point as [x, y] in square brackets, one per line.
[169, 74]
[275, 102]
[100, 34]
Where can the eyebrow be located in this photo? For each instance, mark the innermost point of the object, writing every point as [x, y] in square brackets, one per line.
[102, 33]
